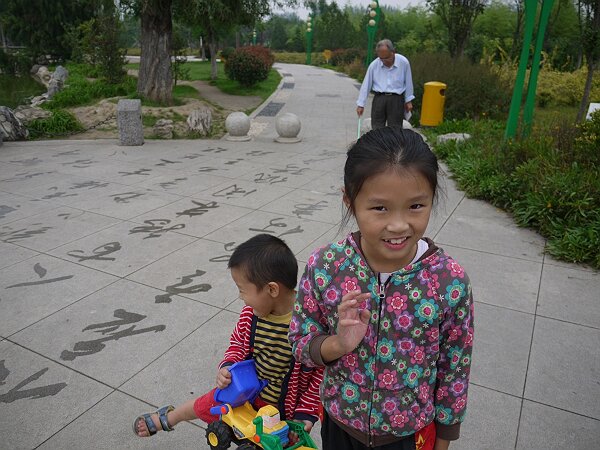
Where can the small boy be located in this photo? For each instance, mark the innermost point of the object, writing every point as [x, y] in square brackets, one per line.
[265, 271]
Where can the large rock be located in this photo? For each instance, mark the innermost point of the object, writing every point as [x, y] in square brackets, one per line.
[11, 127]
[57, 82]
[200, 121]
[163, 128]
[28, 113]
[42, 75]
[458, 137]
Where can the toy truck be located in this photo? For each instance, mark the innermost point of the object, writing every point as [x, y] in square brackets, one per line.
[241, 423]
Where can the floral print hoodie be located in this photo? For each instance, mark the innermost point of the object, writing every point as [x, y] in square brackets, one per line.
[412, 367]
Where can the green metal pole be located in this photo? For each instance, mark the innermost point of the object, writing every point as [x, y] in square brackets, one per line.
[535, 67]
[515, 104]
[372, 24]
[309, 33]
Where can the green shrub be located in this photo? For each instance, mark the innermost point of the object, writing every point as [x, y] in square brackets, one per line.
[346, 56]
[226, 53]
[247, 68]
[474, 90]
[81, 91]
[549, 181]
[60, 123]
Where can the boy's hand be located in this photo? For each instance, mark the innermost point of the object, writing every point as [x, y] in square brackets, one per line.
[294, 437]
[307, 425]
[223, 378]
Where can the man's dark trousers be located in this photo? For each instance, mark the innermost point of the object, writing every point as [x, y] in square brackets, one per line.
[387, 108]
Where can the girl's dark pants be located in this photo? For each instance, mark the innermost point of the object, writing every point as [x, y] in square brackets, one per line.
[334, 438]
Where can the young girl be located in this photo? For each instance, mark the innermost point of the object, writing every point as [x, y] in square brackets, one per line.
[387, 312]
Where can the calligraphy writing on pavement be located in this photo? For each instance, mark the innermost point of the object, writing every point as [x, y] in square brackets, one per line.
[41, 273]
[109, 331]
[201, 208]
[156, 228]
[183, 288]
[100, 253]
[18, 393]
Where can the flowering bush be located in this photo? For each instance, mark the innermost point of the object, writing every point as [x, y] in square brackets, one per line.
[249, 65]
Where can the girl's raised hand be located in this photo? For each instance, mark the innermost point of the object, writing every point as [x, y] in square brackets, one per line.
[353, 322]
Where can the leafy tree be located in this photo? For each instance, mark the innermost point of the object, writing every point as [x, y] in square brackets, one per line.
[334, 29]
[42, 25]
[276, 32]
[215, 17]
[590, 16]
[458, 17]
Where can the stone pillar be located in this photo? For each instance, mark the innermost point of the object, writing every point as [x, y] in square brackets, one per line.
[129, 121]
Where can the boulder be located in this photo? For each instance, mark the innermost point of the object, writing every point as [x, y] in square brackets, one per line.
[163, 128]
[11, 127]
[28, 113]
[200, 121]
[57, 81]
[43, 75]
[458, 137]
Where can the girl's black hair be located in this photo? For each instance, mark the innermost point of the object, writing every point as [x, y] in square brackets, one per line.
[265, 258]
[382, 149]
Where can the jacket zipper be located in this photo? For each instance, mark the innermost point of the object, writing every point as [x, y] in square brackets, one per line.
[381, 287]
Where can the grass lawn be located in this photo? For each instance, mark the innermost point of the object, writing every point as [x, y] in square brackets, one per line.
[201, 71]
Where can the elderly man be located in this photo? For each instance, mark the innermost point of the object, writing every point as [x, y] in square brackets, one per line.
[390, 80]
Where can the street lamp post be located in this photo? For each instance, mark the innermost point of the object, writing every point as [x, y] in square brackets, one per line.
[374, 14]
[254, 37]
[309, 35]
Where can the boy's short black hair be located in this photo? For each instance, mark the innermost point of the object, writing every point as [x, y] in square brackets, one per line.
[265, 258]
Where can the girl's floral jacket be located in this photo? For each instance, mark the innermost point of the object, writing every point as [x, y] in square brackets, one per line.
[412, 367]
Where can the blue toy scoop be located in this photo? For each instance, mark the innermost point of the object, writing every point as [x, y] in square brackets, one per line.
[244, 387]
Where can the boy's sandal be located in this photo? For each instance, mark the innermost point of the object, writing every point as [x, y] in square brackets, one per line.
[162, 417]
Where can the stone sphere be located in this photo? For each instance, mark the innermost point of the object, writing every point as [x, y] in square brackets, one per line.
[237, 124]
[288, 125]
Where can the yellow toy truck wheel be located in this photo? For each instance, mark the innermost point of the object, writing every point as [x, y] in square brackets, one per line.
[218, 436]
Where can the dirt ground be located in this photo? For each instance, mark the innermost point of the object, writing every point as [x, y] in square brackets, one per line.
[100, 119]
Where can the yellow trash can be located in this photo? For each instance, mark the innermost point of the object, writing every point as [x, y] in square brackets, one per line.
[432, 111]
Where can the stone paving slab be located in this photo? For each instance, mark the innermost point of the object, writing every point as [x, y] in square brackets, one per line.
[197, 271]
[55, 395]
[48, 230]
[15, 207]
[119, 323]
[564, 367]
[502, 348]
[12, 254]
[479, 226]
[493, 421]
[109, 425]
[41, 286]
[561, 430]
[126, 247]
[578, 286]
[501, 280]
[293, 230]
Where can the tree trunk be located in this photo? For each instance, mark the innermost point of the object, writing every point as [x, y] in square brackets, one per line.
[155, 80]
[202, 53]
[2, 37]
[586, 93]
[212, 45]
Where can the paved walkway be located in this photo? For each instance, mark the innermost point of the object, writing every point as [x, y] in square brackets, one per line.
[115, 299]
